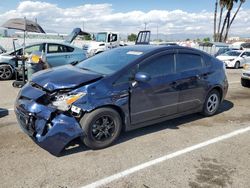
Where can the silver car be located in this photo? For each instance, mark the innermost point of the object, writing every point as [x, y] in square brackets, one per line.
[57, 54]
[2, 50]
[245, 77]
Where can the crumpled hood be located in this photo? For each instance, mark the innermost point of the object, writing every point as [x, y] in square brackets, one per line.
[63, 77]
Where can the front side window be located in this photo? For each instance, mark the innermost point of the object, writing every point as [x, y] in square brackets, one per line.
[186, 61]
[126, 77]
[159, 66]
[101, 37]
[112, 38]
[34, 48]
[246, 54]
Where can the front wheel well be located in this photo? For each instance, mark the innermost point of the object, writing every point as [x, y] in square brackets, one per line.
[12, 68]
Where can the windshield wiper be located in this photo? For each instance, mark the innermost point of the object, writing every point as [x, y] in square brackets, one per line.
[89, 70]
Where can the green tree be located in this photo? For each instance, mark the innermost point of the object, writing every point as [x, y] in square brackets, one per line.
[132, 37]
[87, 37]
[207, 39]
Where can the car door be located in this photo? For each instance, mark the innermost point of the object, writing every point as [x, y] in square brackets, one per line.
[28, 50]
[246, 57]
[192, 83]
[56, 55]
[157, 97]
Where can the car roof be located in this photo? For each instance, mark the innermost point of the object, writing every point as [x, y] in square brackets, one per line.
[149, 48]
[236, 51]
[49, 42]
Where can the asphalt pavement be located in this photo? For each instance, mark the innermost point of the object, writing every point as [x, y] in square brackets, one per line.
[190, 151]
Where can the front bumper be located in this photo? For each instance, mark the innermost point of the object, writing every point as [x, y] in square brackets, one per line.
[229, 63]
[49, 128]
[245, 74]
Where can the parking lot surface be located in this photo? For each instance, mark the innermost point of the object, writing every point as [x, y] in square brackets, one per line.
[224, 163]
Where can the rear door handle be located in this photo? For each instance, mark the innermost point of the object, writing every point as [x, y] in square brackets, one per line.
[174, 83]
[198, 77]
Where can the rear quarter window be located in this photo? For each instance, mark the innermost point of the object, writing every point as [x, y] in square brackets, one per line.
[188, 61]
[69, 49]
[208, 60]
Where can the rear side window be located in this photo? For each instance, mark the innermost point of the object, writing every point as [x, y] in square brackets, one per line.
[58, 48]
[159, 66]
[186, 61]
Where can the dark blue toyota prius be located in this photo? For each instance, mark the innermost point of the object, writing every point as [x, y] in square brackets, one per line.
[122, 89]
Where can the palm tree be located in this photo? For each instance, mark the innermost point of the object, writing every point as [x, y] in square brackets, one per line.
[222, 6]
[230, 23]
[215, 19]
[229, 5]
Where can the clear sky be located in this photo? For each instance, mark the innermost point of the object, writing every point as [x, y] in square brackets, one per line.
[170, 17]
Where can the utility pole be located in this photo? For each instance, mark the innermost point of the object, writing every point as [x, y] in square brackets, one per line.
[145, 26]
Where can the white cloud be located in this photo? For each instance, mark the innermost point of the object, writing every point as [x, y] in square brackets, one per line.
[100, 17]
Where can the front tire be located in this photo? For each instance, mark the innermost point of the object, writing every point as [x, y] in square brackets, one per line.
[212, 103]
[245, 82]
[6, 72]
[237, 65]
[102, 127]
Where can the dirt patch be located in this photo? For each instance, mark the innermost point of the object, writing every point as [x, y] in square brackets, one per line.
[239, 94]
[212, 174]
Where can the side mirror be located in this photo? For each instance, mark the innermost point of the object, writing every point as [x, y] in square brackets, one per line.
[244, 56]
[142, 77]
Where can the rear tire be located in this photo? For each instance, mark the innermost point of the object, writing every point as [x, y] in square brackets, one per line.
[237, 65]
[245, 82]
[6, 72]
[212, 103]
[102, 127]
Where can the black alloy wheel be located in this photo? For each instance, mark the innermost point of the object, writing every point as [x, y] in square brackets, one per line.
[101, 127]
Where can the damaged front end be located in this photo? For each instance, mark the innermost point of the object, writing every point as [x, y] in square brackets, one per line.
[39, 115]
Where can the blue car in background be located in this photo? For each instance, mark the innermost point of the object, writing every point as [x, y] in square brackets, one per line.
[57, 54]
[121, 89]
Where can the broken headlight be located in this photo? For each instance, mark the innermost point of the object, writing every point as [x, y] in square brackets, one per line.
[63, 101]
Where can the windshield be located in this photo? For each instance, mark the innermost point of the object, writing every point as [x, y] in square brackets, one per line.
[232, 53]
[111, 61]
[101, 37]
